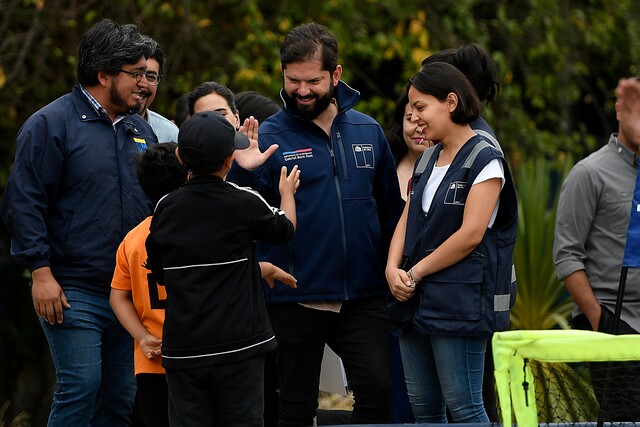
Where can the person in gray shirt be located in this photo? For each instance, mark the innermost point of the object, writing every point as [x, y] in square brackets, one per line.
[590, 235]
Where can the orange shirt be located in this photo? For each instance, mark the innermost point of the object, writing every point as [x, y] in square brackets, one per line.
[148, 298]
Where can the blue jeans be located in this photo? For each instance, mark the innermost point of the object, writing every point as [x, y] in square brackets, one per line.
[444, 372]
[93, 357]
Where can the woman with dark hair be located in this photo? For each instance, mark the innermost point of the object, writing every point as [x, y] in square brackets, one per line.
[445, 268]
[481, 71]
[213, 96]
[251, 103]
[406, 140]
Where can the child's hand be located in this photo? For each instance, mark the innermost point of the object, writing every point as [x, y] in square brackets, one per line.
[289, 184]
[150, 346]
[270, 273]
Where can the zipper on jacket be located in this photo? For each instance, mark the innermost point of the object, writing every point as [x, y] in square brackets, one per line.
[343, 155]
[336, 180]
[333, 161]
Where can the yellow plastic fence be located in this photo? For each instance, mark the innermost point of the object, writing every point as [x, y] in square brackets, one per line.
[510, 348]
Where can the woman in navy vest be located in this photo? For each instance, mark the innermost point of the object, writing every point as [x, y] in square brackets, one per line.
[450, 260]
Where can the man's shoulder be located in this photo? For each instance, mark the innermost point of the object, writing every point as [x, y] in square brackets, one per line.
[601, 159]
[358, 117]
[51, 117]
[59, 106]
[165, 129]
[159, 118]
[142, 126]
[282, 120]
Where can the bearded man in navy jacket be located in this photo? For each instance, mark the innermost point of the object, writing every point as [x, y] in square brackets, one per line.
[71, 197]
[347, 211]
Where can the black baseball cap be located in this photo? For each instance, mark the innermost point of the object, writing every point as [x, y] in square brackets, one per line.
[206, 139]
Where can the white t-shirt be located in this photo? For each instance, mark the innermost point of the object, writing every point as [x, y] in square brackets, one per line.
[493, 169]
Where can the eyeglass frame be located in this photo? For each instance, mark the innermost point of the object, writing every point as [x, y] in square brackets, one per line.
[149, 75]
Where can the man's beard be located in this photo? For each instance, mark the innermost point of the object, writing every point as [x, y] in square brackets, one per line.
[121, 104]
[309, 112]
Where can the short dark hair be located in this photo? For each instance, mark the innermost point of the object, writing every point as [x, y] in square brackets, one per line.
[207, 88]
[476, 64]
[251, 103]
[395, 129]
[309, 42]
[182, 109]
[158, 55]
[159, 171]
[107, 46]
[439, 79]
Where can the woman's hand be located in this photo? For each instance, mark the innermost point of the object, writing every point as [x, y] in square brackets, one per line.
[400, 283]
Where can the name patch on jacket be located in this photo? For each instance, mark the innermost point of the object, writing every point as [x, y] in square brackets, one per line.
[455, 193]
[364, 155]
[303, 153]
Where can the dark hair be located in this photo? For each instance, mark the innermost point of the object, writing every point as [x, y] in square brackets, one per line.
[439, 79]
[251, 103]
[107, 46]
[395, 129]
[309, 42]
[159, 171]
[182, 109]
[476, 64]
[158, 55]
[207, 88]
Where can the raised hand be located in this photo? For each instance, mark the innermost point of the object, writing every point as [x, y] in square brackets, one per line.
[252, 158]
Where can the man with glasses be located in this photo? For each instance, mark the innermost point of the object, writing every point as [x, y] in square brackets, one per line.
[165, 129]
[71, 197]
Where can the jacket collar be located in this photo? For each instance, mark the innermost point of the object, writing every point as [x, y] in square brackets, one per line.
[345, 95]
[89, 108]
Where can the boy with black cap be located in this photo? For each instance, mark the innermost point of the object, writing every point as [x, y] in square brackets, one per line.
[201, 247]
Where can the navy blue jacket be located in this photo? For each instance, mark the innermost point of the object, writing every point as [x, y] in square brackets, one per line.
[72, 194]
[347, 205]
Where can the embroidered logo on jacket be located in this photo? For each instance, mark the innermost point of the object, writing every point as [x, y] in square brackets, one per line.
[140, 143]
[303, 153]
[364, 155]
[455, 193]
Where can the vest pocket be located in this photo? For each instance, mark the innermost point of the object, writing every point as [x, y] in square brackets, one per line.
[455, 293]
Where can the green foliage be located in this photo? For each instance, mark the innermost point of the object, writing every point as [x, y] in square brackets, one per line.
[559, 61]
[542, 301]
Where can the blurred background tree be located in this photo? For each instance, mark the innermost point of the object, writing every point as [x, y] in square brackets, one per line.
[559, 63]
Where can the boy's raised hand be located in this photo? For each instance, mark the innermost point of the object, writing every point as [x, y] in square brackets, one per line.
[289, 183]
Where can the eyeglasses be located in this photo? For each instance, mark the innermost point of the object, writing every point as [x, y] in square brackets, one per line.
[153, 79]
